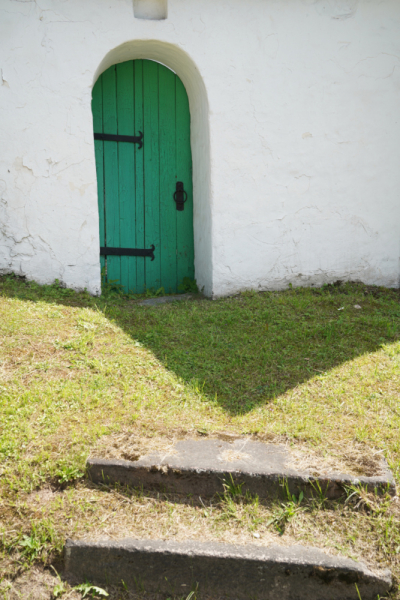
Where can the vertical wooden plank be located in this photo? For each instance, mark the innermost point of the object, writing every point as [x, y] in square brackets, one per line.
[167, 129]
[185, 236]
[111, 173]
[139, 175]
[151, 152]
[126, 173]
[97, 110]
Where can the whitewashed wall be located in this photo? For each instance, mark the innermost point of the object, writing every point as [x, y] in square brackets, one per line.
[295, 135]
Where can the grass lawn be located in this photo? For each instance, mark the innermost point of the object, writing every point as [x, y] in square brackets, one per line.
[304, 367]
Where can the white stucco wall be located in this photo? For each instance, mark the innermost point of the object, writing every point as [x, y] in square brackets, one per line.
[295, 135]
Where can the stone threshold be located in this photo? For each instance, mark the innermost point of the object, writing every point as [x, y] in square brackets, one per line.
[158, 301]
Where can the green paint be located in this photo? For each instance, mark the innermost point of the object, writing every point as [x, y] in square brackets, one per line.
[136, 186]
[151, 153]
[126, 174]
[99, 153]
[139, 177]
[167, 116]
[185, 240]
[111, 192]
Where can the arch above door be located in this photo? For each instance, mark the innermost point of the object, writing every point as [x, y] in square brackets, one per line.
[177, 60]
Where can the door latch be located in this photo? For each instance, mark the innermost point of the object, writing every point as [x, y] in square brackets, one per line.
[180, 196]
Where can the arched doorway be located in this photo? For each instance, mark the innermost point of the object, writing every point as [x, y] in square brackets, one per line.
[141, 125]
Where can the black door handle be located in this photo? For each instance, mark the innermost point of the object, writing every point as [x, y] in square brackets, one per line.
[180, 196]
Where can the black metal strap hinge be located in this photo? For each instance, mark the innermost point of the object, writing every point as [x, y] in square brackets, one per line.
[106, 251]
[110, 137]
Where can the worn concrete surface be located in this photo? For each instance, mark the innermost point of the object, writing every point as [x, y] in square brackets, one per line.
[164, 300]
[201, 467]
[237, 572]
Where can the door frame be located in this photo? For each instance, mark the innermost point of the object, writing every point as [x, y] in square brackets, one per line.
[180, 62]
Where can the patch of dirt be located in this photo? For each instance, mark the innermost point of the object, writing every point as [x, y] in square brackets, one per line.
[350, 287]
[232, 456]
[130, 446]
[356, 461]
[42, 496]
[35, 584]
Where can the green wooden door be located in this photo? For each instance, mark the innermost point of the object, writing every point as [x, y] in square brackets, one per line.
[136, 184]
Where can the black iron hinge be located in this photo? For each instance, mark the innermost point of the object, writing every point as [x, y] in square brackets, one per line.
[110, 137]
[106, 251]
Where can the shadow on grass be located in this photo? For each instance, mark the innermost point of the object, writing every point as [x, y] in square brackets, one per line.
[246, 350]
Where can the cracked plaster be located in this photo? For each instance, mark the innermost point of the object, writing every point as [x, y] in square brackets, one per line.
[295, 135]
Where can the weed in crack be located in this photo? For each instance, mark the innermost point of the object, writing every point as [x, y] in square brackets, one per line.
[286, 511]
[243, 508]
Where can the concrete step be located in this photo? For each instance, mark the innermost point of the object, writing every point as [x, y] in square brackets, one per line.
[159, 301]
[201, 467]
[224, 571]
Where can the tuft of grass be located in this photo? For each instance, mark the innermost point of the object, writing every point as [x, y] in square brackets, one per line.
[232, 489]
[286, 511]
[40, 543]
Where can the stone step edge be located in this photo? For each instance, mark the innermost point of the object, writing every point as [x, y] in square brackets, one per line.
[190, 480]
[224, 570]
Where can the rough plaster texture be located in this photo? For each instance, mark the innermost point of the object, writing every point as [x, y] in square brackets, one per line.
[223, 570]
[201, 467]
[295, 135]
